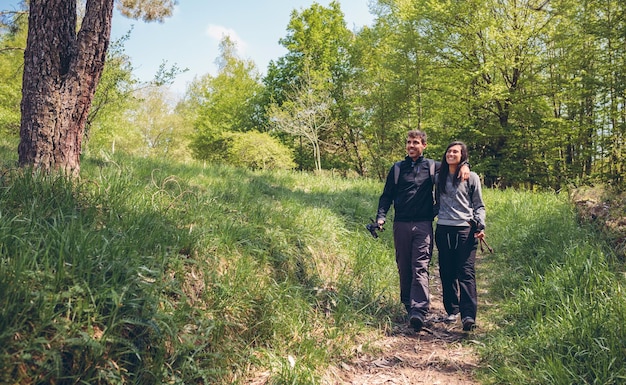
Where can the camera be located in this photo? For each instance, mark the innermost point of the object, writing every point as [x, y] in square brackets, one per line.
[374, 227]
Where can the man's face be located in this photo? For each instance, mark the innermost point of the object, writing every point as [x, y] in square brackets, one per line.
[414, 147]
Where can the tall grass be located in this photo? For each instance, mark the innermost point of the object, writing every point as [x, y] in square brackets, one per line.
[156, 273]
[148, 272]
[561, 306]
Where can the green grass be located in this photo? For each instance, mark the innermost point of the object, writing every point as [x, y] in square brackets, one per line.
[146, 272]
[561, 306]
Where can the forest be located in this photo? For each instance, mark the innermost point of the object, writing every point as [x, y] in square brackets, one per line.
[217, 237]
[536, 89]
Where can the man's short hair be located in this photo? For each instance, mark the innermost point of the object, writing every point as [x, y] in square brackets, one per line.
[417, 134]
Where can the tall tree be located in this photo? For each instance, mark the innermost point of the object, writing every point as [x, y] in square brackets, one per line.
[62, 67]
[227, 102]
[306, 114]
[114, 95]
[318, 55]
[13, 28]
[398, 88]
[482, 59]
[156, 123]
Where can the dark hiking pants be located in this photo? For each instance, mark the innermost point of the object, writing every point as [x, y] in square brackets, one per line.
[413, 243]
[456, 248]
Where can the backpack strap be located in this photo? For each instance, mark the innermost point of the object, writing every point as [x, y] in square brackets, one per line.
[431, 170]
[470, 189]
[396, 171]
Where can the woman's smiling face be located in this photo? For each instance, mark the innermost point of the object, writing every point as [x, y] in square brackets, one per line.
[453, 155]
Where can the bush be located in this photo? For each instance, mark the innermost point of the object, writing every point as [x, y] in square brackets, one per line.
[253, 150]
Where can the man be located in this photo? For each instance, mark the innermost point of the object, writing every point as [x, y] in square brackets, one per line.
[409, 186]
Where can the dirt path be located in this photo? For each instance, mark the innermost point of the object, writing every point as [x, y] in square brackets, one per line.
[440, 354]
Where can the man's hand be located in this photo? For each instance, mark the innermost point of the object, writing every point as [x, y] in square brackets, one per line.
[464, 173]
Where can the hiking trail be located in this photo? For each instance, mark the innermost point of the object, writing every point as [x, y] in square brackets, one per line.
[441, 353]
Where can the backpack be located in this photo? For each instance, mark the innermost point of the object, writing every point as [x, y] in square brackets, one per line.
[431, 169]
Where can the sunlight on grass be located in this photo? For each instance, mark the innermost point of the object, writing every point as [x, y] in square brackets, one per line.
[179, 273]
[146, 272]
[560, 303]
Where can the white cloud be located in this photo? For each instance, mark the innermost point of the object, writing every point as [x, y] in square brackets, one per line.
[218, 32]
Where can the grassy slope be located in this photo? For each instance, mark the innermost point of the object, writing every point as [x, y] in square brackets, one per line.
[147, 272]
[160, 272]
[560, 306]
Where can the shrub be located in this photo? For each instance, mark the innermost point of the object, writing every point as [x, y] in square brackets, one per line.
[256, 151]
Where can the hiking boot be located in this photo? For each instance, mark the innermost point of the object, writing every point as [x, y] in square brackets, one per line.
[450, 318]
[416, 321]
[469, 324]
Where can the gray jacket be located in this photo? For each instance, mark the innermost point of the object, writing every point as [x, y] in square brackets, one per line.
[461, 205]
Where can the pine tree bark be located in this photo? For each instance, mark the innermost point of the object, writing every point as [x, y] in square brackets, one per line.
[62, 68]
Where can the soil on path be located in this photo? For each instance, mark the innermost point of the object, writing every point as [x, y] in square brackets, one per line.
[441, 353]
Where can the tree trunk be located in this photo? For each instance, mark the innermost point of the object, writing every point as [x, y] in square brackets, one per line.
[61, 71]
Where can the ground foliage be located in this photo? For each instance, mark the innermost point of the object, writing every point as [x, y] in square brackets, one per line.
[559, 288]
[604, 208]
[146, 271]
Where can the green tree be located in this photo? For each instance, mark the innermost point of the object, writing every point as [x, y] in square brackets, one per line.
[318, 44]
[476, 69]
[307, 114]
[589, 56]
[154, 122]
[119, 103]
[115, 94]
[13, 28]
[227, 102]
[395, 84]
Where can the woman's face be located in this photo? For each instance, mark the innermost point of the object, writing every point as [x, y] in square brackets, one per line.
[453, 155]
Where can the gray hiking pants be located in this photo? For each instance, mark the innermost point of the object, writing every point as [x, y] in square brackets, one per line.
[414, 244]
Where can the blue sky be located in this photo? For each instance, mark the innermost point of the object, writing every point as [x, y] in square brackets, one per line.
[191, 36]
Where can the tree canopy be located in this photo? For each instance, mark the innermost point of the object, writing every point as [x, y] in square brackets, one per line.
[535, 90]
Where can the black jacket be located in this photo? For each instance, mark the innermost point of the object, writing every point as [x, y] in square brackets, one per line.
[412, 196]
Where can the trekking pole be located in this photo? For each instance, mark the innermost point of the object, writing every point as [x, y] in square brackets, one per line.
[483, 242]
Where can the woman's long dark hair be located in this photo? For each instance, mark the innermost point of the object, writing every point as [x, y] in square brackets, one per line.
[444, 171]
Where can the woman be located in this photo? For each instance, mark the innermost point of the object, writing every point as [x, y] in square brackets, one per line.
[460, 225]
